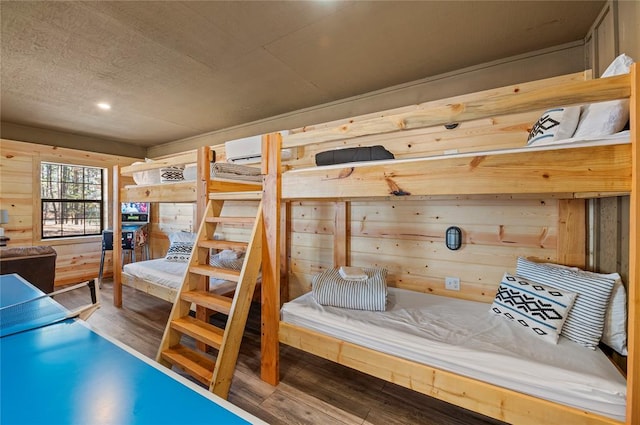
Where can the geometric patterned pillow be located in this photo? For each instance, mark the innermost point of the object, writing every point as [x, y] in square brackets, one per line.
[540, 309]
[555, 124]
[179, 252]
[586, 318]
[171, 174]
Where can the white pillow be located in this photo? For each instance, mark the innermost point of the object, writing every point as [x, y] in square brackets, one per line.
[182, 237]
[585, 322]
[615, 322]
[555, 124]
[605, 118]
[540, 309]
[190, 172]
[148, 176]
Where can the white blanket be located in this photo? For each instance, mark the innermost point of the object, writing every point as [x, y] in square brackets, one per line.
[462, 337]
[170, 274]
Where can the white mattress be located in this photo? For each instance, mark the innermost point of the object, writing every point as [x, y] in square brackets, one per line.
[218, 171]
[170, 274]
[462, 337]
[160, 271]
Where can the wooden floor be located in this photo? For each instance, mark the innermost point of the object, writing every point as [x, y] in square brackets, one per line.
[311, 391]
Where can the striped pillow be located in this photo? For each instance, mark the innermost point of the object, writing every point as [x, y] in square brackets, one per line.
[540, 309]
[227, 259]
[330, 289]
[585, 322]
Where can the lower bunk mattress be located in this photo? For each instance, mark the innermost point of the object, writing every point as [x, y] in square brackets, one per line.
[170, 274]
[463, 337]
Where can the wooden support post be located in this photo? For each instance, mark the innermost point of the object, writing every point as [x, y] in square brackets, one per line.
[202, 184]
[341, 234]
[572, 232]
[269, 362]
[633, 342]
[117, 237]
[285, 249]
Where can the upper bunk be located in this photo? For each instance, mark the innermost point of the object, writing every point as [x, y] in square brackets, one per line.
[197, 175]
[487, 156]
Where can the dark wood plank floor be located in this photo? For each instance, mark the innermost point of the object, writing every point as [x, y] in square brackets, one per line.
[312, 390]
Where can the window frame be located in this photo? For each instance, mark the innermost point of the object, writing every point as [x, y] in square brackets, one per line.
[102, 202]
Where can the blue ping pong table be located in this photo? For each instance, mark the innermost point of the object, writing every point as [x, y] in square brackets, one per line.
[63, 372]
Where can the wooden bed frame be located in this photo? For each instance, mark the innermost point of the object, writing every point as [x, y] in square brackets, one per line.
[570, 175]
[196, 191]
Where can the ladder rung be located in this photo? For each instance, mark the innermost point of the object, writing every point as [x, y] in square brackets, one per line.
[205, 270]
[221, 244]
[195, 364]
[206, 299]
[231, 220]
[241, 196]
[199, 330]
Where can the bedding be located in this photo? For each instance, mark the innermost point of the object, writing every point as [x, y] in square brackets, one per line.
[225, 170]
[463, 337]
[540, 310]
[614, 333]
[172, 174]
[603, 118]
[176, 174]
[554, 125]
[585, 322]
[181, 246]
[170, 274]
[160, 271]
[329, 288]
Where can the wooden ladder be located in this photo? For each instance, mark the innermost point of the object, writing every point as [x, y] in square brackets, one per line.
[219, 373]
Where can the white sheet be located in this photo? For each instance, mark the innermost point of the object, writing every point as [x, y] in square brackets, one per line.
[170, 274]
[462, 337]
[160, 271]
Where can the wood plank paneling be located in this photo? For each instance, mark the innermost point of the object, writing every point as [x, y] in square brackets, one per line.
[509, 131]
[407, 238]
[502, 101]
[522, 172]
[77, 259]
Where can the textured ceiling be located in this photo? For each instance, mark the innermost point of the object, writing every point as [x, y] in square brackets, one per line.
[175, 69]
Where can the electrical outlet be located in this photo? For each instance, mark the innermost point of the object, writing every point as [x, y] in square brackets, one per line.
[452, 283]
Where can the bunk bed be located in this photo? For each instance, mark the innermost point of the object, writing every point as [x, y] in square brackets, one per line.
[198, 175]
[569, 172]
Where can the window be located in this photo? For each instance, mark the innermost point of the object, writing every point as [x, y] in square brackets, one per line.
[71, 197]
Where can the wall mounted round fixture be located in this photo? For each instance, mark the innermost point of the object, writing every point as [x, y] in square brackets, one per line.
[453, 238]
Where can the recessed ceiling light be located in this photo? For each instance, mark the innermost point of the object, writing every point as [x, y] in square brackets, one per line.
[104, 106]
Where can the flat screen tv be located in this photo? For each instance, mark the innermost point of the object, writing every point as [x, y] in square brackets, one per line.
[135, 212]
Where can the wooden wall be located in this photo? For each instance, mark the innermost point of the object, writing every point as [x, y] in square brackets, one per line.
[78, 258]
[407, 238]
